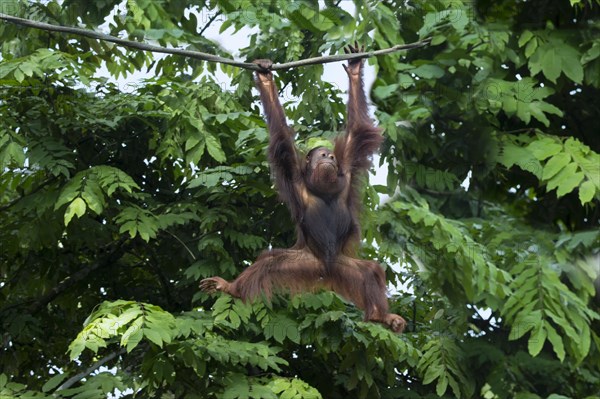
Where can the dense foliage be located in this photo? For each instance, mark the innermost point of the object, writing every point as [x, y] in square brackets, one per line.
[115, 201]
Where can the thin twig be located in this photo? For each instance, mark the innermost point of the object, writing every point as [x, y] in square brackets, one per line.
[205, 56]
[182, 243]
[210, 21]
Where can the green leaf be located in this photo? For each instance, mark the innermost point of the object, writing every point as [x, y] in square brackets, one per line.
[384, 92]
[530, 49]
[12, 153]
[544, 148]
[569, 183]
[93, 197]
[551, 65]
[76, 348]
[536, 340]
[52, 383]
[441, 385]
[429, 71]
[587, 190]
[153, 336]
[19, 76]
[556, 341]
[214, 148]
[570, 63]
[525, 37]
[77, 207]
[191, 143]
[134, 339]
[555, 165]
[565, 177]
[592, 53]
[525, 321]
[438, 39]
[282, 327]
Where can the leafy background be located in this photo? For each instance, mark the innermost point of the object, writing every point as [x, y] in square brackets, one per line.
[115, 201]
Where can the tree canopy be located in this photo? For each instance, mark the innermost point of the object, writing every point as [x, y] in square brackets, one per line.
[116, 200]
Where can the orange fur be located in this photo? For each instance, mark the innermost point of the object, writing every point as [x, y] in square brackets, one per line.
[325, 209]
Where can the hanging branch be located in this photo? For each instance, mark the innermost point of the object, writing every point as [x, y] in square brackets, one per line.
[205, 56]
[343, 57]
[126, 43]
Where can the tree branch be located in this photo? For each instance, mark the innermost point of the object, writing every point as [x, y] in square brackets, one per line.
[164, 282]
[78, 377]
[73, 279]
[205, 56]
[35, 190]
[343, 57]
